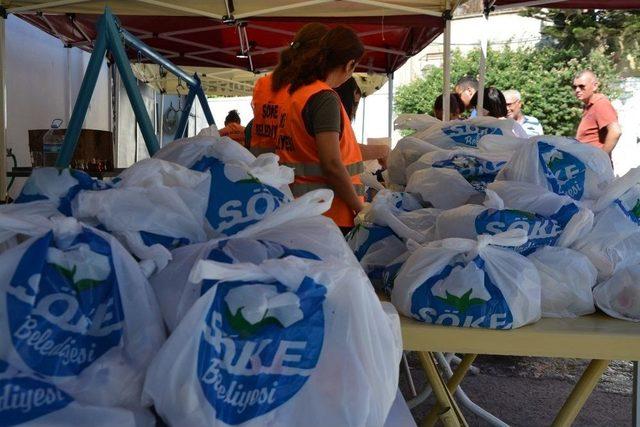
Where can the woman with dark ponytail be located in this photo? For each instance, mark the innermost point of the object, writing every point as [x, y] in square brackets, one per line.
[270, 91]
[315, 137]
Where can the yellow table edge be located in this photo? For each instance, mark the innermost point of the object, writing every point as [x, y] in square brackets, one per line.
[596, 336]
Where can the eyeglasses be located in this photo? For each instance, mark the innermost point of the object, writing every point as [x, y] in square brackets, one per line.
[582, 87]
[509, 104]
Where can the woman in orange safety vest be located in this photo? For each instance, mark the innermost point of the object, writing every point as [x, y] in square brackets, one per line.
[270, 94]
[315, 137]
[232, 127]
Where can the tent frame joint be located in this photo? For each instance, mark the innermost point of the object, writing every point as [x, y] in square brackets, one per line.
[447, 15]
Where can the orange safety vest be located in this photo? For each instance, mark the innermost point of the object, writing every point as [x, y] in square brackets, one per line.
[234, 131]
[297, 149]
[267, 109]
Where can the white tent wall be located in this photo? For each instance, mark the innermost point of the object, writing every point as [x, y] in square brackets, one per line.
[376, 120]
[375, 113]
[42, 80]
[220, 107]
[130, 146]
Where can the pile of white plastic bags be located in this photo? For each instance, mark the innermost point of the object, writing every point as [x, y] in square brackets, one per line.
[481, 181]
[192, 284]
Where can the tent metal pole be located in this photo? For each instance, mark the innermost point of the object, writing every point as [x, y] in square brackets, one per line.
[130, 84]
[484, 26]
[399, 7]
[204, 103]
[364, 117]
[390, 107]
[446, 64]
[161, 120]
[3, 114]
[150, 53]
[186, 111]
[531, 3]
[281, 8]
[189, 10]
[46, 5]
[84, 97]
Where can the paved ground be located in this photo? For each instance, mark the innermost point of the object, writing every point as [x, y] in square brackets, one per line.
[527, 391]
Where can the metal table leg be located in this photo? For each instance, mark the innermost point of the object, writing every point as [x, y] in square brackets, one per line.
[635, 421]
[580, 393]
[452, 384]
[449, 413]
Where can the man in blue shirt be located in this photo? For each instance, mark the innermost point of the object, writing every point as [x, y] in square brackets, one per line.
[530, 124]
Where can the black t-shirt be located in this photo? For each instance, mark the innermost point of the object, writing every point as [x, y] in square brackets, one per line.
[322, 113]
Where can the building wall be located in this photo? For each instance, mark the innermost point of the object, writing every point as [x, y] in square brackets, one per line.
[42, 82]
[626, 155]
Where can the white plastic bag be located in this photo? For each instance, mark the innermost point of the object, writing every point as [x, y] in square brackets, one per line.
[567, 278]
[619, 296]
[384, 226]
[244, 189]
[460, 133]
[478, 168]
[400, 415]
[548, 219]
[469, 283]
[29, 401]
[76, 310]
[156, 207]
[59, 187]
[374, 246]
[503, 144]
[188, 151]
[415, 122]
[562, 165]
[282, 343]
[210, 131]
[442, 188]
[407, 151]
[614, 242]
[575, 219]
[298, 227]
[402, 213]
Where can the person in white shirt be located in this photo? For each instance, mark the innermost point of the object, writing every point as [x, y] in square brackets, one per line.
[530, 124]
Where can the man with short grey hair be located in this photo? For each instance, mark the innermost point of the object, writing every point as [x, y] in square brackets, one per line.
[599, 125]
[530, 124]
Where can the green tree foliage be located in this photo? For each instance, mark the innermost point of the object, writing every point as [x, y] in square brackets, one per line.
[542, 75]
[577, 33]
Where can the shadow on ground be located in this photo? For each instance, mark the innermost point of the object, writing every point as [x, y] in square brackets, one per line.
[529, 391]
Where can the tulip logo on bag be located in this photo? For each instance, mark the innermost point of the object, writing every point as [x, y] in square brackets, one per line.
[236, 199]
[455, 297]
[63, 306]
[469, 134]
[259, 345]
[631, 208]
[564, 172]
[23, 399]
[476, 171]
